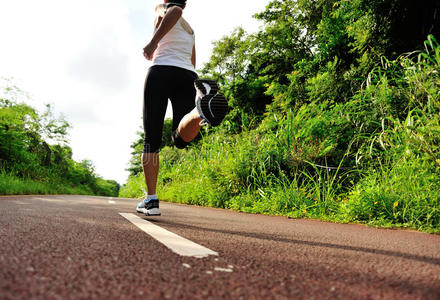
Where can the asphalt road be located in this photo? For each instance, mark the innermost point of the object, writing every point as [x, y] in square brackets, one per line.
[78, 247]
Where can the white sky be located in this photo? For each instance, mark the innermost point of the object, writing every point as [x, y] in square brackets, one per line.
[85, 58]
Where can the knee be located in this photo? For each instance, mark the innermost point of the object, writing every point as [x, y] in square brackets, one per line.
[151, 147]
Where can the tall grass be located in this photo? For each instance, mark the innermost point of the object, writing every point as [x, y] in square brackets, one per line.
[374, 159]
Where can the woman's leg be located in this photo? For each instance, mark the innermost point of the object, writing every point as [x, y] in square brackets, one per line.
[186, 120]
[210, 104]
[155, 105]
[150, 166]
[189, 126]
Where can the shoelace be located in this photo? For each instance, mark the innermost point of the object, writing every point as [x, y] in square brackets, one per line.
[143, 197]
[203, 122]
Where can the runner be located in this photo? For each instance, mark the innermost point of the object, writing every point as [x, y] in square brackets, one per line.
[172, 76]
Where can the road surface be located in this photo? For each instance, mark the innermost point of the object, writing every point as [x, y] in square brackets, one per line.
[80, 247]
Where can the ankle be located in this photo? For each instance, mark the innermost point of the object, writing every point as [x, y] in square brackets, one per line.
[151, 197]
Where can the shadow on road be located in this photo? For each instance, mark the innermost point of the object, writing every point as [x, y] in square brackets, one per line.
[262, 236]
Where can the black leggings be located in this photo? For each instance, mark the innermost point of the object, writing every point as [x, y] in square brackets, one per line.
[163, 83]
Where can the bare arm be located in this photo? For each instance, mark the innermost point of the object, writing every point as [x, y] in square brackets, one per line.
[193, 57]
[169, 20]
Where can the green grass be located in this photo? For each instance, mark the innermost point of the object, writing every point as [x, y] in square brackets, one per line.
[245, 173]
[12, 185]
[259, 172]
[374, 159]
[406, 195]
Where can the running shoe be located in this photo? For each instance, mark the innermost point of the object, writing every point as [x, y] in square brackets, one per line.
[140, 208]
[211, 105]
[150, 208]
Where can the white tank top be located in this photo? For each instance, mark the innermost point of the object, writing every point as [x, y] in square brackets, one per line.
[175, 48]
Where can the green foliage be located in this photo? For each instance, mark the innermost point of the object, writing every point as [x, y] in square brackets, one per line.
[328, 122]
[29, 164]
[135, 163]
[406, 194]
[13, 185]
[134, 187]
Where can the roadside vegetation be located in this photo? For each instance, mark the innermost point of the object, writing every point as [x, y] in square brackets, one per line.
[34, 154]
[335, 116]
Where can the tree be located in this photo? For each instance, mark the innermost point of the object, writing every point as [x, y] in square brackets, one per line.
[34, 145]
[135, 164]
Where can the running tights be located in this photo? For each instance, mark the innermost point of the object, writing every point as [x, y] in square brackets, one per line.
[163, 83]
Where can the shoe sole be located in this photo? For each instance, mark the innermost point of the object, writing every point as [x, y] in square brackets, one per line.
[213, 106]
[140, 211]
[198, 83]
[153, 212]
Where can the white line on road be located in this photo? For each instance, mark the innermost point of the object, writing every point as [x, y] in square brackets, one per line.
[111, 202]
[20, 202]
[175, 243]
[223, 269]
[49, 199]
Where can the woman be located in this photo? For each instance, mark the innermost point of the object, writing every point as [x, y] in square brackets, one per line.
[172, 76]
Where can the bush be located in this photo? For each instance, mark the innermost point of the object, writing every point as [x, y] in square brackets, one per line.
[406, 194]
[323, 124]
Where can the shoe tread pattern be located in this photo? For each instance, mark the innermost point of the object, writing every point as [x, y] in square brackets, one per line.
[214, 105]
[199, 85]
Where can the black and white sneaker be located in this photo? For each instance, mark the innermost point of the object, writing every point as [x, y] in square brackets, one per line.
[150, 208]
[211, 105]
